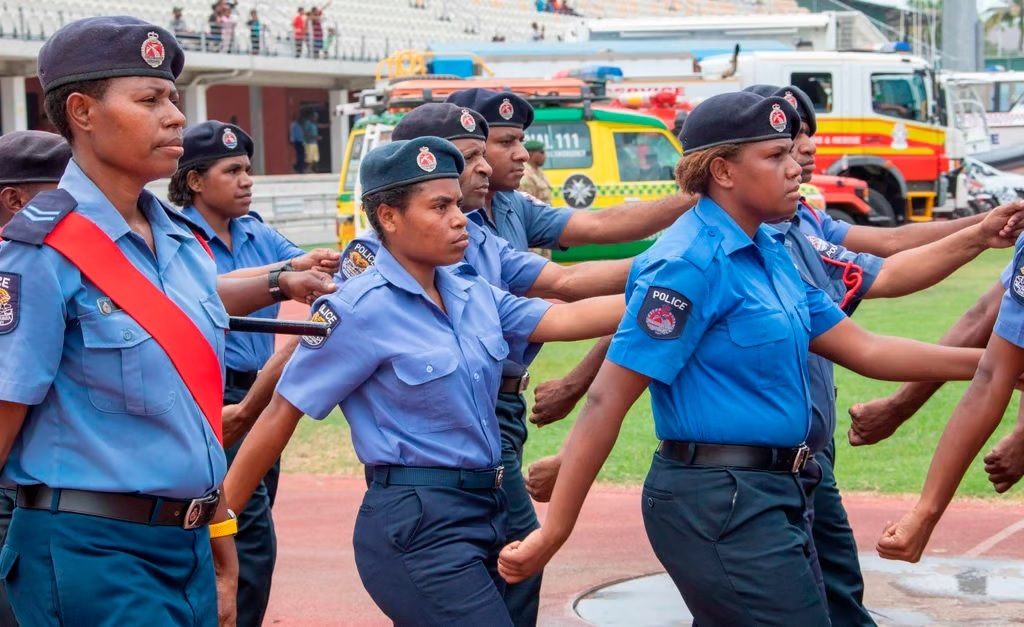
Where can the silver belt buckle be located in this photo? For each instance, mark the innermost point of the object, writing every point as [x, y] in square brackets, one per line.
[803, 452]
[499, 476]
[201, 511]
[524, 381]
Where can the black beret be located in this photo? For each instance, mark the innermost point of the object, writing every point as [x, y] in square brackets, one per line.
[108, 47]
[213, 140]
[499, 108]
[33, 157]
[407, 162]
[441, 119]
[738, 118]
[794, 96]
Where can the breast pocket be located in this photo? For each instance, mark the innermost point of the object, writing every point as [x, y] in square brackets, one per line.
[214, 308]
[120, 366]
[425, 380]
[759, 342]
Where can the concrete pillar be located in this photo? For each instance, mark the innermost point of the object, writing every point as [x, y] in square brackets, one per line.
[12, 104]
[339, 128]
[259, 164]
[195, 104]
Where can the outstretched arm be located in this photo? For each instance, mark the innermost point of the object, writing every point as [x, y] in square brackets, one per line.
[614, 391]
[885, 242]
[238, 419]
[581, 280]
[627, 222]
[973, 421]
[593, 317]
[553, 400]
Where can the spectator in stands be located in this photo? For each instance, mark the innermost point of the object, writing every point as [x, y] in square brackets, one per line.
[332, 33]
[311, 133]
[255, 32]
[538, 32]
[227, 20]
[178, 24]
[298, 139]
[540, 6]
[214, 40]
[316, 28]
[299, 30]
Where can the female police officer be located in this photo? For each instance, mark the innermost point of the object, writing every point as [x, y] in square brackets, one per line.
[111, 418]
[214, 185]
[718, 324]
[415, 363]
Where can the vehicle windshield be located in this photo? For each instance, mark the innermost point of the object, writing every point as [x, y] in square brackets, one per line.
[648, 156]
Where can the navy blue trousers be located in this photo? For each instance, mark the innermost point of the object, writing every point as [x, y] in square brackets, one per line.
[6, 510]
[734, 542]
[837, 549]
[523, 598]
[72, 569]
[429, 555]
[256, 542]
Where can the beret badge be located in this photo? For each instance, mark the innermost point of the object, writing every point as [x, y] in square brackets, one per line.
[467, 121]
[777, 118]
[426, 160]
[153, 50]
[505, 110]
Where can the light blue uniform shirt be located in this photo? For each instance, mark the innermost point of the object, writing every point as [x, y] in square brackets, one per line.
[254, 244]
[721, 323]
[1010, 322]
[418, 386]
[491, 256]
[527, 222]
[807, 253]
[108, 410]
[821, 225]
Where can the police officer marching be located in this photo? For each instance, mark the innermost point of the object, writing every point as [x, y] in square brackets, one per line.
[111, 352]
[417, 387]
[717, 305]
[213, 184]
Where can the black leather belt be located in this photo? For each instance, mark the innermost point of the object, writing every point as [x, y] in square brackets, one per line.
[239, 379]
[736, 455]
[514, 385]
[488, 479]
[133, 508]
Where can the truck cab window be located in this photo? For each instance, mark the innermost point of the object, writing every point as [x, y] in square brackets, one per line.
[899, 96]
[818, 86]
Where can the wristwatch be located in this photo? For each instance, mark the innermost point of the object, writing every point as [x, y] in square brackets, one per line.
[227, 527]
[275, 280]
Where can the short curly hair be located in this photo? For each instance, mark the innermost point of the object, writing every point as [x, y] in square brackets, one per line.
[693, 172]
[55, 103]
[178, 191]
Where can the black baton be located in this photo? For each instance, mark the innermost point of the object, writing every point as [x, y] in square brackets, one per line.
[281, 327]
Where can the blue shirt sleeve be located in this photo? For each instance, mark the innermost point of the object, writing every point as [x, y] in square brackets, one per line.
[824, 312]
[519, 270]
[519, 316]
[670, 305]
[324, 371]
[544, 223]
[870, 265]
[284, 249]
[1010, 322]
[834, 230]
[1006, 275]
[32, 323]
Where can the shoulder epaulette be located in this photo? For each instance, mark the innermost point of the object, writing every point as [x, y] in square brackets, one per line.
[255, 216]
[352, 291]
[702, 249]
[32, 224]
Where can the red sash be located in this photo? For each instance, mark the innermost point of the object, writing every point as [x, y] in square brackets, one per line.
[102, 262]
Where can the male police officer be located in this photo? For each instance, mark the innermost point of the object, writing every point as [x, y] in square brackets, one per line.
[30, 162]
[528, 223]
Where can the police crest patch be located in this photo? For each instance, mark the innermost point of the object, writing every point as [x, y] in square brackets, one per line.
[1016, 288]
[426, 160]
[790, 98]
[153, 50]
[467, 121]
[663, 313]
[324, 313]
[356, 259]
[505, 110]
[229, 139]
[824, 248]
[10, 301]
[777, 118]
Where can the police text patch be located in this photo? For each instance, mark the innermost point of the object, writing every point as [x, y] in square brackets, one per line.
[663, 313]
[827, 249]
[10, 301]
[357, 258]
[324, 313]
[1016, 290]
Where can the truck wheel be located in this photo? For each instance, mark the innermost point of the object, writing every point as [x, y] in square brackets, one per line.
[881, 206]
[840, 216]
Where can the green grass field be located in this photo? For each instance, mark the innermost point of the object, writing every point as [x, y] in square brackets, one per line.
[897, 465]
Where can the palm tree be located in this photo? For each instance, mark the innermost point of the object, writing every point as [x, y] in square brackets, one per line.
[1010, 13]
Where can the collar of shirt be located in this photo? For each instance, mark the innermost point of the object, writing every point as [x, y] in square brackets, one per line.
[395, 274]
[238, 227]
[482, 219]
[733, 237]
[95, 206]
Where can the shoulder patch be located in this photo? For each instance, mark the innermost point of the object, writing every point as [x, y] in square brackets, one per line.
[10, 301]
[1016, 283]
[32, 224]
[356, 258]
[825, 249]
[536, 201]
[663, 313]
[324, 313]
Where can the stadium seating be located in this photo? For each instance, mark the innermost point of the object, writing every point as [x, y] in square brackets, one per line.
[362, 30]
